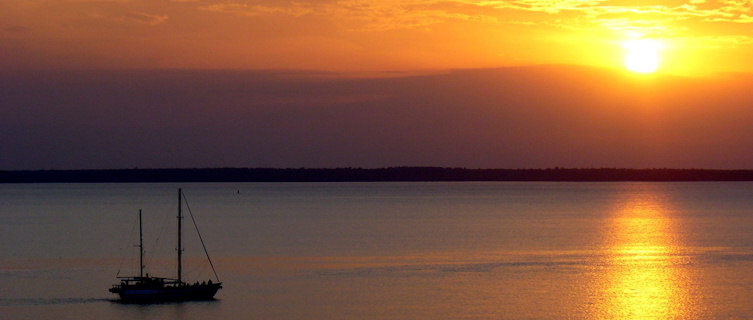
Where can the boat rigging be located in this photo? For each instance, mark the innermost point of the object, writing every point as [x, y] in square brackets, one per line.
[147, 289]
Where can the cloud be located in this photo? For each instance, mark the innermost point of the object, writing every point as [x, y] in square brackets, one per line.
[296, 10]
[384, 34]
[366, 15]
[472, 118]
[417, 14]
[385, 16]
[145, 18]
[744, 19]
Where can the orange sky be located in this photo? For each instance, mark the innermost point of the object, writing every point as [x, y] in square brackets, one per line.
[507, 84]
[353, 35]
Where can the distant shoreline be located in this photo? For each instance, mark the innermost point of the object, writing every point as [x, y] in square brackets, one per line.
[396, 174]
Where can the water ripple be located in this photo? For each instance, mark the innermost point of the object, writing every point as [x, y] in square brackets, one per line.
[48, 301]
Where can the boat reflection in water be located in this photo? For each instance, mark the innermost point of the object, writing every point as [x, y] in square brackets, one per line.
[644, 275]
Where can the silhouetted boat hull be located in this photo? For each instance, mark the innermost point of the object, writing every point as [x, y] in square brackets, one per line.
[148, 289]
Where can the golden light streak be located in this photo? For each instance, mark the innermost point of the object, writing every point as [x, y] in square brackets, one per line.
[643, 279]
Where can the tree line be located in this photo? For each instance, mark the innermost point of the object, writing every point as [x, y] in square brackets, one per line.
[367, 175]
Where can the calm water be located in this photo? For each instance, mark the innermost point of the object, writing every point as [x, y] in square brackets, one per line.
[388, 250]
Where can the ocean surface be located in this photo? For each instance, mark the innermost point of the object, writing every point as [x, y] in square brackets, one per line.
[502, 250]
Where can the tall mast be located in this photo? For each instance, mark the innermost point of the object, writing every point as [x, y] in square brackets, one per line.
[141, 248]
[180, 249]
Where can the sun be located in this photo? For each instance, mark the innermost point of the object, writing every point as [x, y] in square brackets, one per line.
[642, 55]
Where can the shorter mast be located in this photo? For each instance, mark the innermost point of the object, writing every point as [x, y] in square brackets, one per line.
[141, 248]
[180, 245]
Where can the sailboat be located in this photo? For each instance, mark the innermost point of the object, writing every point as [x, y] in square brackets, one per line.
[148, 289]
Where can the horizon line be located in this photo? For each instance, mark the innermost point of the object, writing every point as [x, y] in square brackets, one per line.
[387, 174]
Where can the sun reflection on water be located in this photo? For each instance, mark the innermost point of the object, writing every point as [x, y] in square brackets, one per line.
[643, 276]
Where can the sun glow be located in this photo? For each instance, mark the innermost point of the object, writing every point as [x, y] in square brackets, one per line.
[642, 55]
